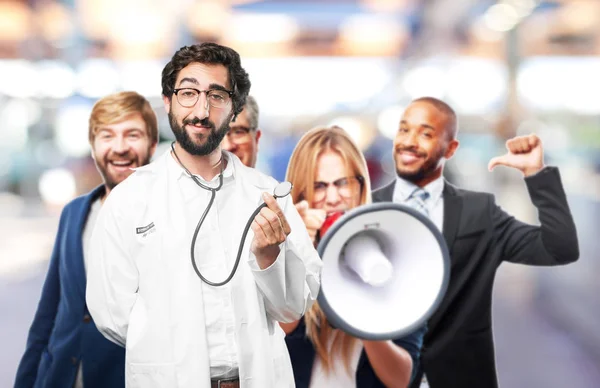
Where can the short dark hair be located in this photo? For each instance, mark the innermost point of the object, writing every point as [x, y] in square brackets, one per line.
[213, 54]
[452, 128]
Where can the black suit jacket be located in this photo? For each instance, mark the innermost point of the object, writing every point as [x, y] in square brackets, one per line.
[458, 349]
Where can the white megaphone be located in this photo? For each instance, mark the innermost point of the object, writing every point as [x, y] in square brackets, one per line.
[385, 271]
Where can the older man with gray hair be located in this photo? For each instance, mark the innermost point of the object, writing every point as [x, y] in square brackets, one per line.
[242, 139]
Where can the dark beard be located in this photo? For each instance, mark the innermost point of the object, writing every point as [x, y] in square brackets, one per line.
[413, 177]
[428, 168]
[212, 141]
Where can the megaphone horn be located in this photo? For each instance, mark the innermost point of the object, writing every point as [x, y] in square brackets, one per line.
[385, 271]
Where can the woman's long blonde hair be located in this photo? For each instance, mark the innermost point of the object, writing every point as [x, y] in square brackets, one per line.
[301, 172]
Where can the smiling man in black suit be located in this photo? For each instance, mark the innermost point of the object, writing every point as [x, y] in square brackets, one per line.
[458, 350]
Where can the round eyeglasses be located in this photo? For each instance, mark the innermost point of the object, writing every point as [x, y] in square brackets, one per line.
[347, 188]
[217, 98]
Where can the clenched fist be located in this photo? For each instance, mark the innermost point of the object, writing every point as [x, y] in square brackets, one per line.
[313, 218]
[525, 153]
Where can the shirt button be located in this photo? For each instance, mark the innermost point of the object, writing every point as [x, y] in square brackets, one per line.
[87, 318]
[74, 360]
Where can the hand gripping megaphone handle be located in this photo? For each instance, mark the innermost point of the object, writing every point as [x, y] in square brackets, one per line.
[329, 221]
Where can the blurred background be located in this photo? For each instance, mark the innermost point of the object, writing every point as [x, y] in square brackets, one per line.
[508, 67]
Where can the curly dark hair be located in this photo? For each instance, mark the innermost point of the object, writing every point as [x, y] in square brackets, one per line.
[213, 54]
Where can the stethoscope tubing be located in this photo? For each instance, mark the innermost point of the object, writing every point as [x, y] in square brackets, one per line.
[213, 191]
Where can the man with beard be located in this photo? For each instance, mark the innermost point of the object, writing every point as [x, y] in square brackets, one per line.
[242, 139]
[64, 347]
[168, 243]
[458, 350]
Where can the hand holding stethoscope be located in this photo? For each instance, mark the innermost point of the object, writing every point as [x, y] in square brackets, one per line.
[270, 227]
[268, 223]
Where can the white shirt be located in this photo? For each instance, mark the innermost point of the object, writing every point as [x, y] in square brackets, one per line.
[89, 228]
[214, 259]
[338, 375]
[434, 204]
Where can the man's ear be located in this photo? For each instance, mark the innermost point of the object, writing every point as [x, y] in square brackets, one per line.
[167, 103]
[452, 147]
[153, 149]
[257, 135]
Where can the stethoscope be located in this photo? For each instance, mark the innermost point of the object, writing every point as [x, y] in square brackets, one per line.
[280, 191]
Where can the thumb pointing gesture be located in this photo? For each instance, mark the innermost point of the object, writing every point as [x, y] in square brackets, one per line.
[503, 160]
[524, 153]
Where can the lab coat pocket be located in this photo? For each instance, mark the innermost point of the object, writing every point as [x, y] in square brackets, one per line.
[151, 375]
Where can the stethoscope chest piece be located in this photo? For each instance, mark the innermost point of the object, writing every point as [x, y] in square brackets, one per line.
[282, 190]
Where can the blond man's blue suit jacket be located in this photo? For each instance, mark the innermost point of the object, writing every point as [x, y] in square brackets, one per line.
[63, 334]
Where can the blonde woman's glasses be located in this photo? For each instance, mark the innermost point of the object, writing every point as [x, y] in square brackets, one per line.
[346, 187]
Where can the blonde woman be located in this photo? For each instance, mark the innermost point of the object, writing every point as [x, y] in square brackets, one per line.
[330, 176]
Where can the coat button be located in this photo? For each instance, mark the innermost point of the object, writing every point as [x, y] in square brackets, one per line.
[74, 360]
[87, 318]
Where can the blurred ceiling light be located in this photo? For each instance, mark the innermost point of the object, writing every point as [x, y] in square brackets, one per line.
[15, 21]
[372, 35]
[260, 28]
[71, 129]
[18, 78]
[369, 76]
[483, 32]
[501, 17]
[425, 80]
[312, 86]
[97, 77]
[561, 84]
[57, 79]
[522, 7]
[539, 84]
[16, 116]
[362, 134]
[57, 186]
[582, 87]
[142, 76]
[138, 22]
[134, 28]
[476, 86]
[55, 21]
[388, 121]
[387, 5]
[213, 26]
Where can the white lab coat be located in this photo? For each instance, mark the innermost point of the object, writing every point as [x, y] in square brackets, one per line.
[143, 293]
